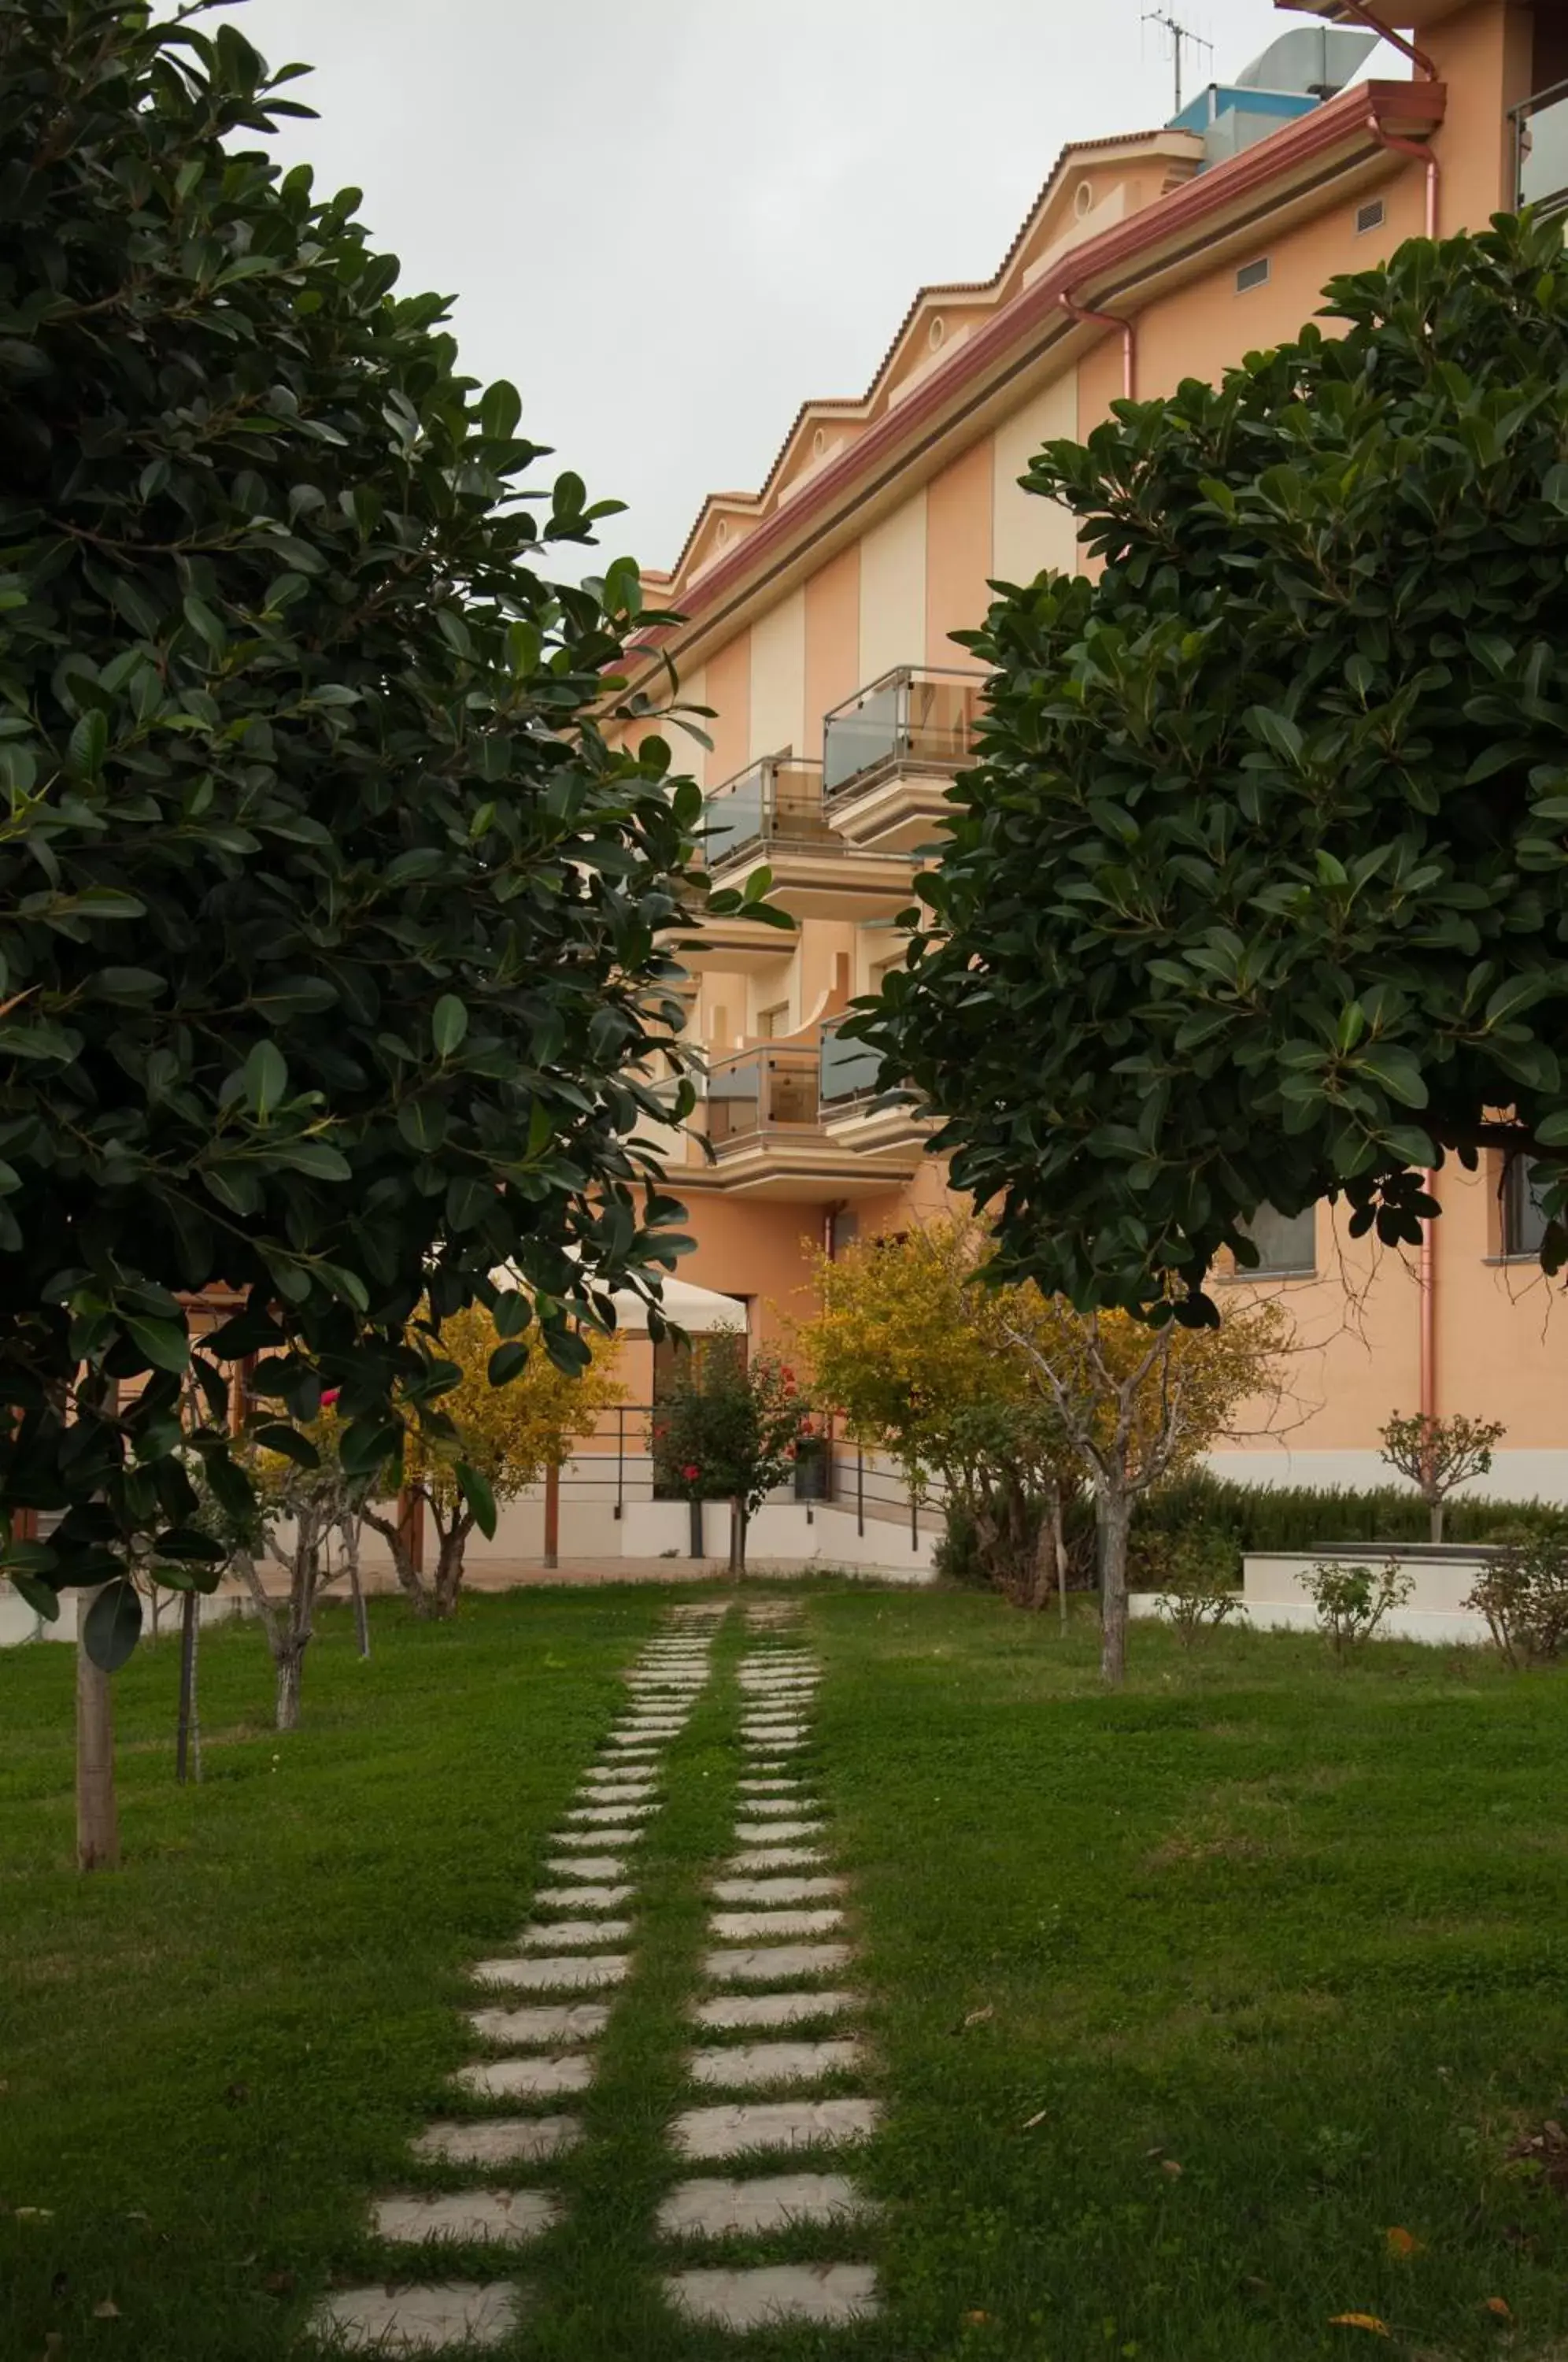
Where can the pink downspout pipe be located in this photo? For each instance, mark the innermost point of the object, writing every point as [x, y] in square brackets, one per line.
[1428, 1306]
[1423, 154]
[1124, 328]
[1418, 58]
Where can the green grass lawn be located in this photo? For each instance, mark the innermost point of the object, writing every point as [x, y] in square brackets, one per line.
[1297, 1932]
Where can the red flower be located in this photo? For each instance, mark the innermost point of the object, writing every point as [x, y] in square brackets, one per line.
[807, 1430]
[690, 1473]
[330, 1396]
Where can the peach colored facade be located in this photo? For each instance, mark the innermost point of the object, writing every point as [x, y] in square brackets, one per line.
[1148, 256]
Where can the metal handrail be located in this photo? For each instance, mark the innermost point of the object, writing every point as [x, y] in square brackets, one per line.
[877, 727]
[1522, 116]
[778, 800]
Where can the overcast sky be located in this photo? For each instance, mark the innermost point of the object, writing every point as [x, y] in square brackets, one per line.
[670, 224]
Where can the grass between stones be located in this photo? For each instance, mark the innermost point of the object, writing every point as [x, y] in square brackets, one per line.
[1299, 1934]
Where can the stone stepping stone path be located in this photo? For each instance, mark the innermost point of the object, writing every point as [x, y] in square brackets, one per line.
[547, 2044]
[766, 1975]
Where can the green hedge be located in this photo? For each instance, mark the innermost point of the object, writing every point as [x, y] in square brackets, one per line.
[1305, 1516]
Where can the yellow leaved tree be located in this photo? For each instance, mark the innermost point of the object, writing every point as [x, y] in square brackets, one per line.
[507, 1436]
[1013, 1397]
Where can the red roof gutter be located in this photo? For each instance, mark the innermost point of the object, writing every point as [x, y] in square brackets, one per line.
[1361, 108]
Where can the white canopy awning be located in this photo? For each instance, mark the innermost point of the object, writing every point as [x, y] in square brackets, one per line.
[697, 1310]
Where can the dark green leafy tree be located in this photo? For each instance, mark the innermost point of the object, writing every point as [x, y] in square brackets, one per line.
[330, 901]
[1257, 893]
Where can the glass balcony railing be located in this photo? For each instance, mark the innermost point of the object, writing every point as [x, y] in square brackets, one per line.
[762, 1091]
[849, 1072]
[778, 801]
[1540, 150]
[914, 714]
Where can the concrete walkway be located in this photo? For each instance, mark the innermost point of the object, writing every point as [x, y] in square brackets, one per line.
[537, 2039]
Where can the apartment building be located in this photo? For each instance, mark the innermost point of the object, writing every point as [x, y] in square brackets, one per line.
[818, 613]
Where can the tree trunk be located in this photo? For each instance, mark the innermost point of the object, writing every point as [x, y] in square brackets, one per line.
[738, 1536]
[1113, 1518]
[449, 1566]
[1059, 1543]
[1040, 1579]
[188, 1739]
[97, 1822]
[698, 1547]
[351, 1532]
[1435, 1510]
[290, 1658]
[404, 1566]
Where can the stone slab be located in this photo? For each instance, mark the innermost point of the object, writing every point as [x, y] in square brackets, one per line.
[752, 2065]
[586, 1898]
[775, 1808]
[727, 2010]
[635, 1742]
[773, 1962]
[565, 1935]
[499, 2218]
[775, 2294]
[775, 1858]
[581, 1973]
[498, 2140]
[601, 1834]
[597, 1816]
[729, 2209]
[392, 2320]
[773, 1926]
[770, 1783]
[781, 1832]
[588, 1865]
[546, 2027]
[743, 2126]
[775, 1890]
[525, 2078]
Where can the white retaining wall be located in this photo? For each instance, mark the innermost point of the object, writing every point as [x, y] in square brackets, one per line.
[1275, 1599]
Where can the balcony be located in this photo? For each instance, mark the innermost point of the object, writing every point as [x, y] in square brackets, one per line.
[773, 814]
[891, 753]
[763, 1118]
[1540, 150]
[856, 1112]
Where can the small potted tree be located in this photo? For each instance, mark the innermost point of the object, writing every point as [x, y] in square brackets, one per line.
[729, 1430]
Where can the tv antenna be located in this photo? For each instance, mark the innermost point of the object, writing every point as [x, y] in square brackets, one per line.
[1179, 34]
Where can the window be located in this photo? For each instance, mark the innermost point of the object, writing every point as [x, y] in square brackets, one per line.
[773, 1023]
[1524, 1221]
[844, 1229]
[1286, 1242]
[1252, 274]
[1369, 216]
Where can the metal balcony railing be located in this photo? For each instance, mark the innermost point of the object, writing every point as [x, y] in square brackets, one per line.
[1540, 150]
[762, 1091]
[915, 715]
[776, 802]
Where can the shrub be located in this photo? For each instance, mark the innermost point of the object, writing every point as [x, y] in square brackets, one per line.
[1523, 1595]
[1352, 1601]
[1199, 1591]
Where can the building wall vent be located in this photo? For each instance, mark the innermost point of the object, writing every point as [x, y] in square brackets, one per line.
[1252, 274]
[1370, 216]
